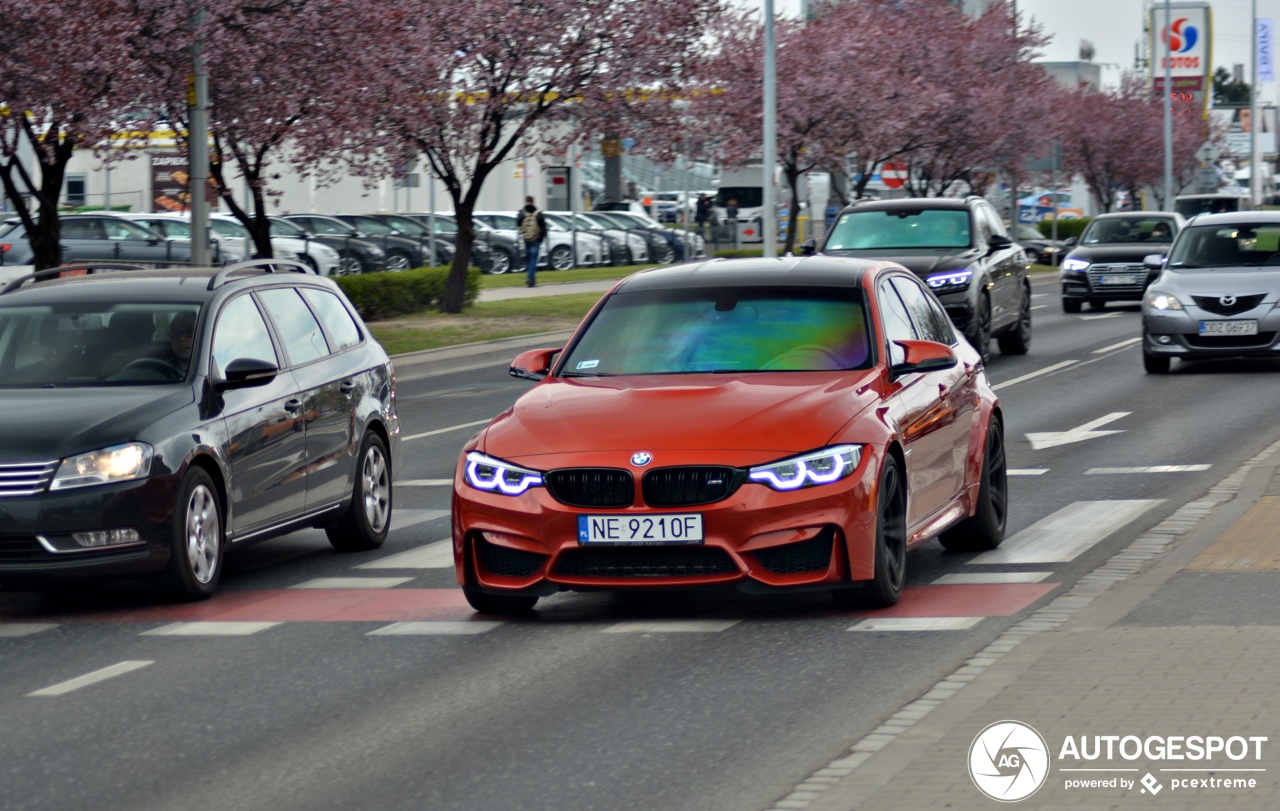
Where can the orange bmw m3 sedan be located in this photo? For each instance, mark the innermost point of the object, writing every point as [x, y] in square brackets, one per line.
[766, 424]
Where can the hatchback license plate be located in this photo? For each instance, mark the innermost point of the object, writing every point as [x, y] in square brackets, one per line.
[1120, 278]
[1228, 327]
[639, 530]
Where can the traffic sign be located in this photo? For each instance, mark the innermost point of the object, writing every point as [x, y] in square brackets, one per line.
[894, 175]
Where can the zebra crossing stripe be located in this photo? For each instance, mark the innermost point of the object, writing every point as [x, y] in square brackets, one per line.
[1066, 534]
[916, 624]
[15, 629]
[434, 628]
[671, 626]
[210, 629]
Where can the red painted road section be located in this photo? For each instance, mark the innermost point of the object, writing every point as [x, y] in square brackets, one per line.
[406, 605]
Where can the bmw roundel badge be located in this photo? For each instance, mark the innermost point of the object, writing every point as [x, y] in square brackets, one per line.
[641, 459]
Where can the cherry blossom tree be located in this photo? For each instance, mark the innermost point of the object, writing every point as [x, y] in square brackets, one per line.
[71, 73]
[484, 76]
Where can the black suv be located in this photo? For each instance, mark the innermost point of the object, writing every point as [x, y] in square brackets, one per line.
[152, 417]
[962, 251]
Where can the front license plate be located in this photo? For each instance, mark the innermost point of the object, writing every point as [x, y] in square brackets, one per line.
[1228, 327]
[639, 530]
[1120, 278]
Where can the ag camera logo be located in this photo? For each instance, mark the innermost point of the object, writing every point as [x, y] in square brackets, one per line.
[1009, 761]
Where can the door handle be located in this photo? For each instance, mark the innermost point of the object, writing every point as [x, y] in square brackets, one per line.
[292, 407]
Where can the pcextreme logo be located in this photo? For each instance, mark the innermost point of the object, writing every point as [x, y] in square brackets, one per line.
[1008, 761]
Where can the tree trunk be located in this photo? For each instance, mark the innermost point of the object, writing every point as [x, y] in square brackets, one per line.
[455, 288]
[792, 173]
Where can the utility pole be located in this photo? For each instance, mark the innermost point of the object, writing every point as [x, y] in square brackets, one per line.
[1255, 157]
[1168, 109]
[769, 213]
[198, 146]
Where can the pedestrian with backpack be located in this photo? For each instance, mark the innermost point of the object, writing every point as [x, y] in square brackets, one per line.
[533, 229]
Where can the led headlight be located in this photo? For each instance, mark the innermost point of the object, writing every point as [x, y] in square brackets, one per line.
[120, 463]
[820, 467]
[954, 280]
[1162, 301]
[496, 476]
[1075, 265]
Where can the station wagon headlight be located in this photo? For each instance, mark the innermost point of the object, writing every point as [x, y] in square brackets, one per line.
[1075, 265]
[955, 280]
[496, 476]
[120, 463]
[1162, 301]
[820, 467]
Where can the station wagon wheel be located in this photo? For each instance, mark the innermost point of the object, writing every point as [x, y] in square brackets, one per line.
[889, 571]
[367, 520]
[984, 530]
[561, 257]
[499, 262]
[398, 261]
[349, 265]
[196, 548]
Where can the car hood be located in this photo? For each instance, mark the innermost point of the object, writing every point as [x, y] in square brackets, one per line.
[1221, 281]
[773, 412]
[45, 424]
[1127, 252]
[921, 262]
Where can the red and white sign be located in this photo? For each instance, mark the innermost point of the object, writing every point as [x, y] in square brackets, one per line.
[893, 175]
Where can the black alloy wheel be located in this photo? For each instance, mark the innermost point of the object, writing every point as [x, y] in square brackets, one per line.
[889, 571]
[984, 530]
[979, 330]
[1017, 340]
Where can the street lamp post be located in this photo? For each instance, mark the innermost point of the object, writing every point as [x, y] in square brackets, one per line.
[1168, 110]
[769, 214]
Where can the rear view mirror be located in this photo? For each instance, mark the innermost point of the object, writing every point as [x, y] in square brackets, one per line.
[243, 373]
[809, 247]
[1154, 261]
[999, 242]
[532, 365]
[924, 356]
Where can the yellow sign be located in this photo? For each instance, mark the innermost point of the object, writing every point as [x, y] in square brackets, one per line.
[611, 147]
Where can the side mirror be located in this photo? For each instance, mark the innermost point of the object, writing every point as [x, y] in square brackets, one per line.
[1071, 241]
[923, 356]
[244, 373]
[999, 242]
[809, 247]
[1154, 261]
[532, 365]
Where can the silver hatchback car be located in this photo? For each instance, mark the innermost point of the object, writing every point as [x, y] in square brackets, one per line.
[1217, 294]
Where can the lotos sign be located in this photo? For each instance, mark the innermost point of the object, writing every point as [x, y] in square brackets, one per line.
[1180, 43]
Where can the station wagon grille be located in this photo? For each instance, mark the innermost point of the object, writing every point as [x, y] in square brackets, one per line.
[25, 479]
[1096, 272]
[592, 487]
[649, 561]
[21, 549]
[1234, 305]
[685, 486]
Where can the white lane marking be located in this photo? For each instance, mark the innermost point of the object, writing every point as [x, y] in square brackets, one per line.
[916, 624]
[1065, 534]
[1039, 295]
[985, 578]
[445, 430]
[408, 518]
[1113, 471]
[91, 678]
[15, 629]
[667, 626]
[1040, 307]
[425, 483]
[438, 555]
[1103, 315]
[434, 628]
[1050, 439]
[1027, 471]
[1046, 370]
[211, 629]
[1104, 350]
[352, 583]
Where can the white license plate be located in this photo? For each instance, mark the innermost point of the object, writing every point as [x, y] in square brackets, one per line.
[639, 530]
[1120, 278]
[1228, 327]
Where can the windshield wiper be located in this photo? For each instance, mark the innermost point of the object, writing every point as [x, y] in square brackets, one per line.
[588, 374]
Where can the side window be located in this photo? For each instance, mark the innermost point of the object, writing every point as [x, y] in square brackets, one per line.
[84, 228]
[337, 321]
[242, 333]
[930, 320]
[897, 323]
[303, 339]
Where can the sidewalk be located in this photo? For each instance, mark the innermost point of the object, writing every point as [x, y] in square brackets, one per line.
[1176, 636]
[546, 288]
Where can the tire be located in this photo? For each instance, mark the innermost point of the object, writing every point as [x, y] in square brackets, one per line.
[984, 530]
[349, 265]
[499, 262]
[367, 519]
[307, 260]
[560, 258]
[1155, 364]
[1071, 305]
[890, 568]
[1017, 340]
[498, 604]
[665, 254]
[197, 540]
[398, 261]
[979, 330]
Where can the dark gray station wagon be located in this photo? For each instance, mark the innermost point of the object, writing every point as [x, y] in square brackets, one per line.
[152, 418]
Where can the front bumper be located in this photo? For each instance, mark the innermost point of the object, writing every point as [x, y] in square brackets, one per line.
[755, 538]
[1176, 334]
[31, 525]
[1087, 285]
